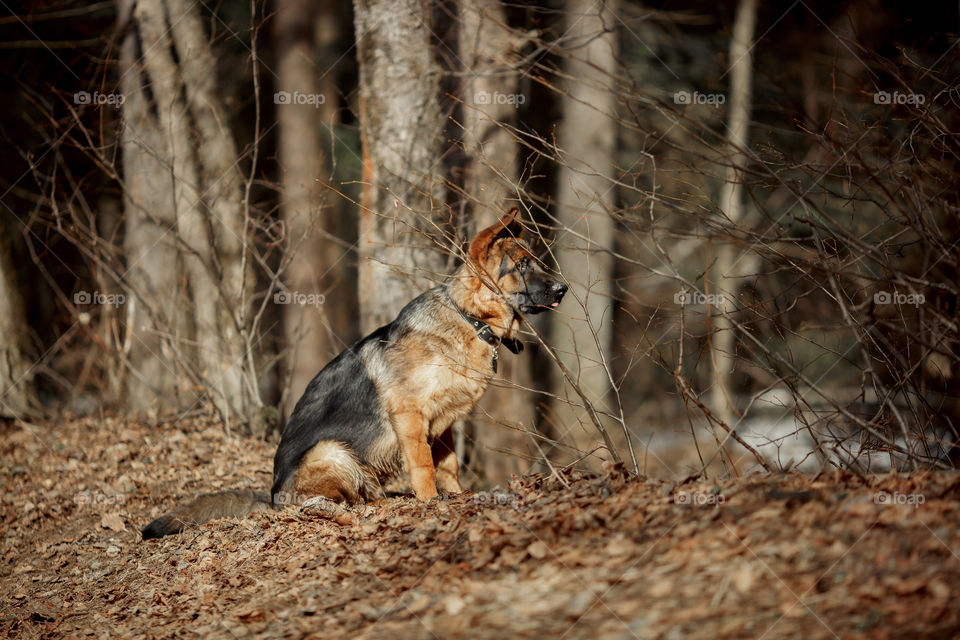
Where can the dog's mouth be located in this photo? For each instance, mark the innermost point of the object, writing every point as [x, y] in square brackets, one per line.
[538, 308]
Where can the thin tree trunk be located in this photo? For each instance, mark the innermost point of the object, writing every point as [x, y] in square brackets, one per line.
[401, 128]
[109, 230]
[306, 327]
[339, 216]
[490, 81]
[17, 396]
[153, 260]
[485, 43]
[222, 285]
[582, 330]
[730, 267]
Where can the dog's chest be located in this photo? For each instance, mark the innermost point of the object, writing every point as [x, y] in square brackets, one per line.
[455, 380]
[463, 376]
[435, 378]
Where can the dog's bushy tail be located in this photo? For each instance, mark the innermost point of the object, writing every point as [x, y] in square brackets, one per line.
[226, 504]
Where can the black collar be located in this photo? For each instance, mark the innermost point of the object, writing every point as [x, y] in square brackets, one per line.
[485, 333]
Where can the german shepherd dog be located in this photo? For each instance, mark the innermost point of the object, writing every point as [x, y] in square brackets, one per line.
[388, 402]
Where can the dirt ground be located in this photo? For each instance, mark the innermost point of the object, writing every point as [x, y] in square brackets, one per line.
[785, 556]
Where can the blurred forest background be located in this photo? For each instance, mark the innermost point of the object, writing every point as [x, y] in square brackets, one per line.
[756, 206]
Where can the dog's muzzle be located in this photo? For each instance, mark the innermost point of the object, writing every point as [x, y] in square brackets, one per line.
[542, 298]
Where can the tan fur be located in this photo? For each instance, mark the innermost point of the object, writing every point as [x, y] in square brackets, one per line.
[445, 461]
[330, 470]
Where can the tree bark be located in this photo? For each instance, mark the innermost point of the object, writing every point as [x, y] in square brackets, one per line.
[307, 328]
[198, 158]
[485, 44]
[730, 266]
[401, 220]
[582, 330]
[220, 281]
[17, 397]
[155, 298]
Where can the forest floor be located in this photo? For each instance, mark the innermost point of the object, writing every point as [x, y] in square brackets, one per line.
[762, 556]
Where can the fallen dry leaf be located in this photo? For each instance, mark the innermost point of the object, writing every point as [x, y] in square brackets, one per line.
[112, 521]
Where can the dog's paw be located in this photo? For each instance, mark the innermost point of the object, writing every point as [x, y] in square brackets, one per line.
[447, 494]
[427, 497]
[327, 509]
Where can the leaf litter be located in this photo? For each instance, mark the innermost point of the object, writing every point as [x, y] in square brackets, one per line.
[609, 556]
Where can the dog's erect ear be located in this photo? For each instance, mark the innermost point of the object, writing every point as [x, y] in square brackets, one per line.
[508, 227]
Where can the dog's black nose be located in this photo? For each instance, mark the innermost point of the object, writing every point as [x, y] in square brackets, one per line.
[558, 289]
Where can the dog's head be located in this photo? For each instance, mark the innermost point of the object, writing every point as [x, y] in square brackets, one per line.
[507, 261]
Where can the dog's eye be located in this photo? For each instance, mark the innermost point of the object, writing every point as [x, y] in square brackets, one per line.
[522, 265]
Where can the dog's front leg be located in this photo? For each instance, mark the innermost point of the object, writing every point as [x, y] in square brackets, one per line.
[445, 460]
[412, 433]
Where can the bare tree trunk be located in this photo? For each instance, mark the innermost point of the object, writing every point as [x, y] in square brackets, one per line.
[201, 173]
[339, 216]
[401, 128]
[17, 395]
[489, 91]
[156, 300]
[582, 330]
[306, 327]
[491, 79]
[730, 266]
[222, 284]
[109, 231]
